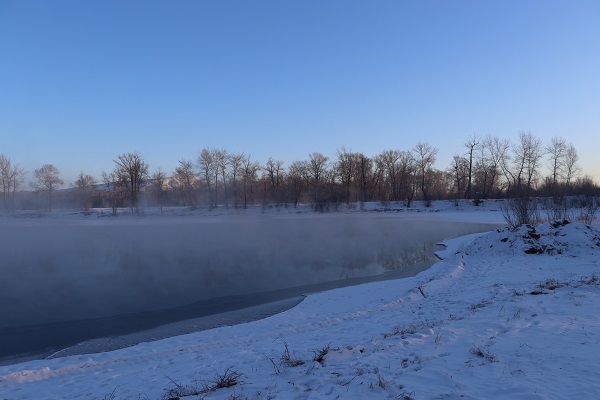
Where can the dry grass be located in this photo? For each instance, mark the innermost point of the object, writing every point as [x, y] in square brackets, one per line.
[482, 353]
[319, 355]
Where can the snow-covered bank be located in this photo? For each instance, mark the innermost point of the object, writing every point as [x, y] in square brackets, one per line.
[494, 319]
[459, 210]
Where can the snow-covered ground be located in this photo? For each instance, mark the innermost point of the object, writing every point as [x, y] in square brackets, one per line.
[503, 315]
[459, 210]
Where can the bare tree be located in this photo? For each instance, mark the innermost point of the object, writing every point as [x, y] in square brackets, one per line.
[18, 178]
[460, 174]
[490, 167]
[12, 177]
[159, 179]
[207, 166]
[274, 170]
[132, 170]
[499, 154]
[521, 207]
[346, 168]
[332, 194]
[571, 167]
[219, 168]
[212, 165]
[236, 162]
[364, 173]
[186, 179]
[46, 179]
[85, 185]
[376, 177]
[317, 167]
[297, 177]
[441, 184]
[425, 156]
[557, 151]
[5, 179]
[391, 163]
[250, 170]
[368, 175]
[528, 154]
[555, 205]
[115, 189]
[487, 168]
[471, 145]
[407, 182]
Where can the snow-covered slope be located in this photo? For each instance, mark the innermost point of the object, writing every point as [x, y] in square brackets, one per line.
[493, 319]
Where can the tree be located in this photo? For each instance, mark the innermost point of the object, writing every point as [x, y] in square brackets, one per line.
[528, 154]
[317, 167]
[561, 156]
[557, 152]
[521, 209]
[46, 179]
[236, 162]
[391, 164]
[571, 167]
[5, 179]
[219, 168]
[17, 177]
[441, 184]
[274, 170]
[425, 156]
[159, 179]
[249, 172]
[212, 164]
[407, 182]
[368, 175]
[460, 174]
[116, 190]
[132, 171]
[185, 179]
[85, 185]
[471, 145]
[11, 178]
[297, 176]
[499, 153]
[487, 167]
[207, 166]
[364, 167]
[346, 169]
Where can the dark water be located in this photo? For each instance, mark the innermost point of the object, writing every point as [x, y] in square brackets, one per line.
[64, 282]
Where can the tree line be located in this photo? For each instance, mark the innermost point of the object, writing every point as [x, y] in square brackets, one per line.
[490, 167]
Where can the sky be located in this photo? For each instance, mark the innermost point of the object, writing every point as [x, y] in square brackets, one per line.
[84, 81]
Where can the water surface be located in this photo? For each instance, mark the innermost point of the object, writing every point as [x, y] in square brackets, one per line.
[68, 281]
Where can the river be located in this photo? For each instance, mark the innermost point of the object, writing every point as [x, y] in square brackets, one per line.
[70, 281]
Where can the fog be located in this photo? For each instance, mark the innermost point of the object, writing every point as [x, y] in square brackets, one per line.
[60, 270]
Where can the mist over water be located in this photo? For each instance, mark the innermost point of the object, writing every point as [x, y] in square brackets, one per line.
[57, 270]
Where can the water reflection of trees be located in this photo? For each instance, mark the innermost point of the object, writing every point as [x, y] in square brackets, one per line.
[406, 257]
[388, 259]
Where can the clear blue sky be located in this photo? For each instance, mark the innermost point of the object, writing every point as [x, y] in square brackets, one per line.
[83, 81]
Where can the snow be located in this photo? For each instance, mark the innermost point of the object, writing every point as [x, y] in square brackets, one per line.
[492, 319]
